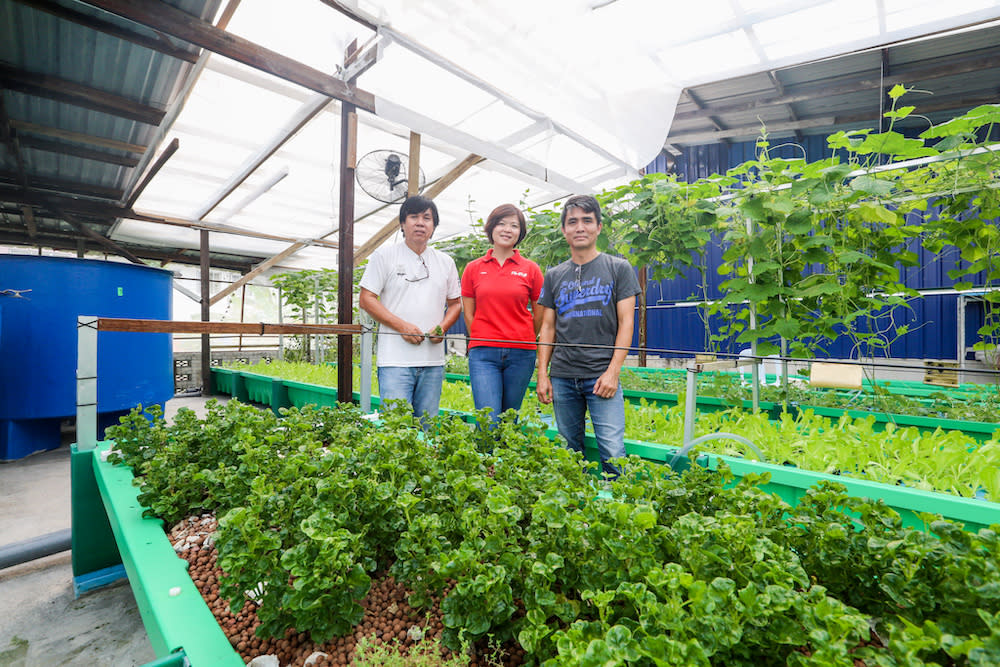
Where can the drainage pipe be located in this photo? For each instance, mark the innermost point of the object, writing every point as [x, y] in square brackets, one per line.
[36, 547]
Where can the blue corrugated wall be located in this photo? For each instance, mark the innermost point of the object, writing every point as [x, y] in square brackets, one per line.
[932, 319]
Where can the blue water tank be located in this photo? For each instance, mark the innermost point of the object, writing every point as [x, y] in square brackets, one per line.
[40, 299]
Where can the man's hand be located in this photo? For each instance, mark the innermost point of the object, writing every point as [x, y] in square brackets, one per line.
[436, 335]
[543, 387]
[607, 385]
[411, 333]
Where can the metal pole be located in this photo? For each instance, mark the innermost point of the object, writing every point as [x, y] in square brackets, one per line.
[367, 339]
[755, 369]
[315, 339]
[784, 371]
[960, 334]
[86, 382]
[690, 402]
[281, 336]
[243, 304]
[643, 325]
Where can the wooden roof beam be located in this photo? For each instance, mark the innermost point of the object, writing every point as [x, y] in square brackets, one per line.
[71, 92]
[10, 139]
[63, 148]
[63, 186]
[172, 21]
[691, 95]
[153, 170]
[78, 137]
[215, 227]
[780, 88]
[67, 241]
[99, 238]
[43, 202]
[159, 43]
[108, 211]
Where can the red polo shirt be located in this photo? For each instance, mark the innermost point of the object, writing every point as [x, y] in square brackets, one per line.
[502, 294]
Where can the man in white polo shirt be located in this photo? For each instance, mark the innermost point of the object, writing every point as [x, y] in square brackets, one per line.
[413, 291]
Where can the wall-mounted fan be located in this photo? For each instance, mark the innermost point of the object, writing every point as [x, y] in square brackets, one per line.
[383, 174]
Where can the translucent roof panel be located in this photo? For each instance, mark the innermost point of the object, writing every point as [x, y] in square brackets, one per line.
[558, 97]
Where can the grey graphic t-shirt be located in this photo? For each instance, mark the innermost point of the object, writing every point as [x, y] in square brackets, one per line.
[585, 298]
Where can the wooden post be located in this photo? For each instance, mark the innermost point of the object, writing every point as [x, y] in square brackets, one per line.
[345, 238]
[413, 170]
[206, 316]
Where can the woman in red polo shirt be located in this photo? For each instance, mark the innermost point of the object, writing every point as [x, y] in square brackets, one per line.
[500, 305]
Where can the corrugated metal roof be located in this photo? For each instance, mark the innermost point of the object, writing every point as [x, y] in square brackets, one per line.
[50, 50]
[46, 45]
[949, 74]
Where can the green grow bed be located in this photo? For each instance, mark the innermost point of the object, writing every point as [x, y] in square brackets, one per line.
[258, 387]
[301, 394]
[176, 618]
[981, 431]
[224, 381]
[173, 612]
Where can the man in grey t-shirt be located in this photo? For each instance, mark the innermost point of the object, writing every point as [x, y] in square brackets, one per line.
[588, 305]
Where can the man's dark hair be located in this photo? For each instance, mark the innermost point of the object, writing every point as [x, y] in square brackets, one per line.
[586, 203]
[416, 205]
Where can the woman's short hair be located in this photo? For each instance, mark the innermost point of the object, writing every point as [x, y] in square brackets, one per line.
[586, 203]
[501, 212]
[415, 205]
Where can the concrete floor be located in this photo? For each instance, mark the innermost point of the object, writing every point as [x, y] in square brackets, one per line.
[41, 623]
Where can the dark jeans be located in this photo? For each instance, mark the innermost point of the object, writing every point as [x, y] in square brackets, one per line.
[571, 399]
[499, 377]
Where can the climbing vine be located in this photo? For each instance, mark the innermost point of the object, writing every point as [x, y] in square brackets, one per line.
[814, 250]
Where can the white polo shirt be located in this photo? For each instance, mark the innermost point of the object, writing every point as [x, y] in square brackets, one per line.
[417, 294]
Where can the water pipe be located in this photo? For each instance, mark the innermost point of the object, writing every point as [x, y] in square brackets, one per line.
[690, 411]
[36, 547]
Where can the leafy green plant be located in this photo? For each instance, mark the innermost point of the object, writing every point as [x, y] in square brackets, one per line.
[519, 541]
[815, 249]
[845, 445]
[425, 654]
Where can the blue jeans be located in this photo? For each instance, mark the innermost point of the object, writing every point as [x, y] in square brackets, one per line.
[499, 377]
[420, 386]
[571, 398]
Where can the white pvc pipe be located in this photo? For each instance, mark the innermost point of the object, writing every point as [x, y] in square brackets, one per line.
[366, 368]
[86, 382]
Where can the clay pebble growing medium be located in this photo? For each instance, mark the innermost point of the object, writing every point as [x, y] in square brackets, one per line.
[388, 618]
